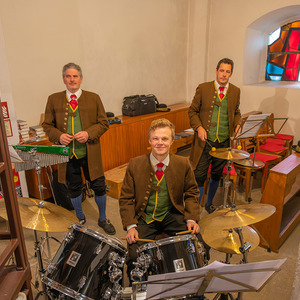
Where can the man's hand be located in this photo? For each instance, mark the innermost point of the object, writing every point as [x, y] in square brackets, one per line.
[193, 226]
[132, 234]
[202, 134]
[65, 139]
[81, 136]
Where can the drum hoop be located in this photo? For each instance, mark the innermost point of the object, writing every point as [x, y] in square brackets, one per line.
[112, 242]
[166, 241]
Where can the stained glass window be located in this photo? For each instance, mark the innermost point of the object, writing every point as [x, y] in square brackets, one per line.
[283, 61]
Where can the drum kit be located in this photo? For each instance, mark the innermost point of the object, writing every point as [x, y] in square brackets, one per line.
[89, 265]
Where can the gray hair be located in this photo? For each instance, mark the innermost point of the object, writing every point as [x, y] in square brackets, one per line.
[71, 66]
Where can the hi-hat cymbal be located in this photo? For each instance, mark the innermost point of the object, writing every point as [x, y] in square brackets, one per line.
[248, 162]
[42, 215]
[237, 216]
[228, 240]
[229, 153]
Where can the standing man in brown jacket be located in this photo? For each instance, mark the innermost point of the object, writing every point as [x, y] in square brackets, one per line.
[159, 192]
[77, 119]
[215, 117]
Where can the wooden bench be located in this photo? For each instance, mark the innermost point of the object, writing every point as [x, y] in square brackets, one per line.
[114, 180]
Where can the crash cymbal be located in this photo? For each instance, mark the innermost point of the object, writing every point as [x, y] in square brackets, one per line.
[229, 153]
[43, 217]
[228, 240]
[248, 162]
[237, 216]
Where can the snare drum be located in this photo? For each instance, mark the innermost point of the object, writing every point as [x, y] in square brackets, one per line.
[87, 265]
[172, 254]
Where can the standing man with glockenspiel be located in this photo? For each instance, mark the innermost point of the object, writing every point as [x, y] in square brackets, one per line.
[77, 119]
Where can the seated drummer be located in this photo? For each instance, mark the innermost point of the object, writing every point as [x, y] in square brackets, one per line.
[159, 192]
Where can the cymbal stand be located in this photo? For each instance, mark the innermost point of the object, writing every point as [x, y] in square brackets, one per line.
[253, 140]
[244, 249]
[227, 184]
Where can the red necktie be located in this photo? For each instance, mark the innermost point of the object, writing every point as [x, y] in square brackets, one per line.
[73, 101]
[221, 95]
[159, 172]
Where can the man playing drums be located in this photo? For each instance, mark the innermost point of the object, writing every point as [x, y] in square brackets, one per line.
[159, 192]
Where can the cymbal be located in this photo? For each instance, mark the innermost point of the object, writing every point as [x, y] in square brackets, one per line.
[237, 216]
[228, 240]
[43, 217]
[248, 162]
[229, 153]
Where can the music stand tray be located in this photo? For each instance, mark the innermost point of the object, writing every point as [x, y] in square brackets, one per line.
[214, 278]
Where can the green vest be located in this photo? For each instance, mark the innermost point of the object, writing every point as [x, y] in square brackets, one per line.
[220, 132]
[159, 203]
[74, 125]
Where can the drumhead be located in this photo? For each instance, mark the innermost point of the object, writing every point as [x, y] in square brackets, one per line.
[108, 240]
[167, 241]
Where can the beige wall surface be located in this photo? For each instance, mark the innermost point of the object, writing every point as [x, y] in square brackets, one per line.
[165, 47]
[124, 48]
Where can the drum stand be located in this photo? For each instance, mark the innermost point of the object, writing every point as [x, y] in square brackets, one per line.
[244, 249]
[36, 160]
[227, 185]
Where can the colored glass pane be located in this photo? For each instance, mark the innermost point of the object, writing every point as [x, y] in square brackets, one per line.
[284, 53]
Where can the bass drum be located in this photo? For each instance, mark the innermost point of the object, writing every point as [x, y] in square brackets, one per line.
[87, 265]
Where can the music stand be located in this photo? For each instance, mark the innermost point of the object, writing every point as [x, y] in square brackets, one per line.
[214, 278]
[251, 128]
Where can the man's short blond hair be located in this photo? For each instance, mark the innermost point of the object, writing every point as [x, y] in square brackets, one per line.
[162, 123]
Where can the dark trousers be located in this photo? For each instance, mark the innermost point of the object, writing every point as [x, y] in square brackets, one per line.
[217, 164]
[173, 223]
[74, 178]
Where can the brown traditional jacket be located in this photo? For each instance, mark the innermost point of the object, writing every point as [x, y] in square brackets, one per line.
[93, 120]
[137, 184]
[200, 114]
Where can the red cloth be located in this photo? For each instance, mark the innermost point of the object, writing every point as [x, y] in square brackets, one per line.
[264, 157]
[283, 136]
[271, 147]
[276, 141]
[231, 172]
[73, 101]
[159, 172]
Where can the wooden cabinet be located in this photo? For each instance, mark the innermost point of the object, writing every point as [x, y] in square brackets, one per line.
[283, 191]
[130, 138]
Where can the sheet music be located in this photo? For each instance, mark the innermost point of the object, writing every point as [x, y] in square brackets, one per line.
[252, 125]
[242, 277]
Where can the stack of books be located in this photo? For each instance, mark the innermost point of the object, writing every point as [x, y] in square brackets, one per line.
[23, 131]
[37, 131]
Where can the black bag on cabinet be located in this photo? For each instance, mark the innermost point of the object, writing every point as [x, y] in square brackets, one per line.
[139, 105]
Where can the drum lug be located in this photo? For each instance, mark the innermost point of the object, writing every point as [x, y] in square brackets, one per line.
[145, 260]
[69, 236]
[115, 259]
[51, 267]
[160, 255]
[191, 248]
[81, 282]
[107, 294]
[98, 249]
[115, 274]
[137, 274]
